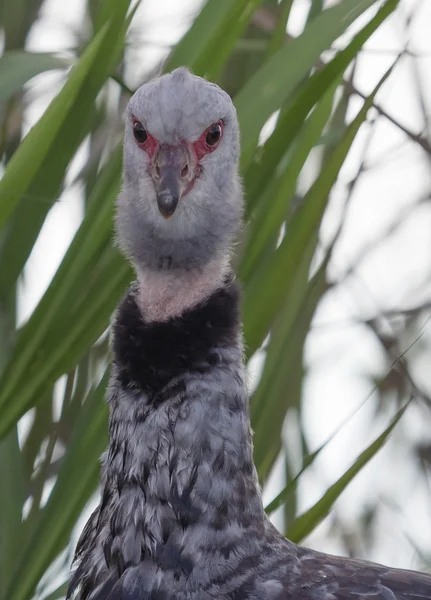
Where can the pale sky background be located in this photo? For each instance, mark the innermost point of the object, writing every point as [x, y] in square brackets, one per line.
[341, 355]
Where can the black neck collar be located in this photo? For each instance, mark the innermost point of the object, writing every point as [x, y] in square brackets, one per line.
[148, 355]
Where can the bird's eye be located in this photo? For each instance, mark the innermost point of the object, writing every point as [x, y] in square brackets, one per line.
[213, 134]
[139, 132]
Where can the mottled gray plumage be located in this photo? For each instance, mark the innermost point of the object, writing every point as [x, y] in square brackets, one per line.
[181, 514]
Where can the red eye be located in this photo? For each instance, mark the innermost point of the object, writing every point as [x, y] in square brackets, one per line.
[213, 134]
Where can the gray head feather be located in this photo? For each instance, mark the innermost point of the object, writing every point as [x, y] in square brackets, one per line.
[177, 108]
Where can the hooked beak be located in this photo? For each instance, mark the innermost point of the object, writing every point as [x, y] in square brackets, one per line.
[172, 172]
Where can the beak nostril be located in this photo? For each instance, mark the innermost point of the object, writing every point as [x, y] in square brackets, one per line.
[185, 171]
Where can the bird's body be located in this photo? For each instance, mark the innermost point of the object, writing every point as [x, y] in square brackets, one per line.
[181, 514]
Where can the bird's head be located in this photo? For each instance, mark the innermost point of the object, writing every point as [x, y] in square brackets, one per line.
[181, 202]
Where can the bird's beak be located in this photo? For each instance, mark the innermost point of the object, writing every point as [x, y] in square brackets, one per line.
[171, 173]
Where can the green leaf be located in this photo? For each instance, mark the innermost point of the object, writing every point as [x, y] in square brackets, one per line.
[269, 91]
[291, 119]
[281, 384]
[247, 57]
[272, 212]
[36, 170]
[44, 346]
[82, 329]
[266, 291]
[279, 36]
[16, 18]
[39, 430]
[222, 22]
[76, 480]
[305, 523]
[18, 67]
[316, 8]
[12, 495]
[60, 592]
[26, 162]
[308, 460]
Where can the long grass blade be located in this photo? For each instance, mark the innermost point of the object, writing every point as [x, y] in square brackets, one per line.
[76, 480]
[266, 291]
[269, 91]
[18, 67]
[305, 523]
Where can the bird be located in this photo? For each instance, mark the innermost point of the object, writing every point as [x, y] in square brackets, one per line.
[181, 514]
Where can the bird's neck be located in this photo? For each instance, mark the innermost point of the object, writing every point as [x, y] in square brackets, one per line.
[167, 293]
[179, 470]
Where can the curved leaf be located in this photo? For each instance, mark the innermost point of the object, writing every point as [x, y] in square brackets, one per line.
[309, 520]
[76, 481]
[37, 169]
[269, 91]
[265, 292]
[18, 67]
[223, 21]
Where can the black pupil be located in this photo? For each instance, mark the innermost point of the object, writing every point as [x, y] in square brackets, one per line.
[139, 132]
[213, 134]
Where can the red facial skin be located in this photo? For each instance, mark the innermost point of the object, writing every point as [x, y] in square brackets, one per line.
[197, 149]
[150, 145]
[201, 148]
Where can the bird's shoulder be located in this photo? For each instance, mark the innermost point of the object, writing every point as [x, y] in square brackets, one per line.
[325, 577]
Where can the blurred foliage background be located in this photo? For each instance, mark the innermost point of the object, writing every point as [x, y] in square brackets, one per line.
[335, 265]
